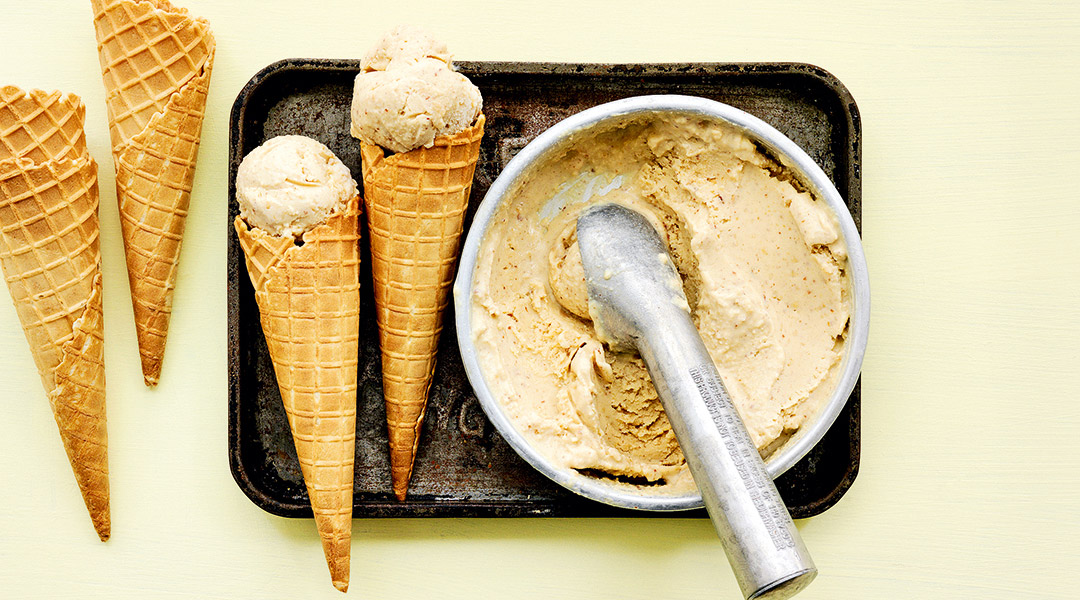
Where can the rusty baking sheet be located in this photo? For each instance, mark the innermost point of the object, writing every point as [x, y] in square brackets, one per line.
[463, 467]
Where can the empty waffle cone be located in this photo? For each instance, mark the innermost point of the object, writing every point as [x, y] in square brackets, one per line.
[309, 307]
[51, 262]
[39, 126]
[415, 205]
[155, 62]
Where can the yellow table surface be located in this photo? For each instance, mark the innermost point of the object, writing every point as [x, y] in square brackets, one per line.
[969, 477]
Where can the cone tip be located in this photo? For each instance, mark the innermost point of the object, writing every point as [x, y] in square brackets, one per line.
[151, 368]
[401, 470]
[104, 530]
[336, 549]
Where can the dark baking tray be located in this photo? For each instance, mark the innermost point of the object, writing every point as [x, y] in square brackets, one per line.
[463, 467]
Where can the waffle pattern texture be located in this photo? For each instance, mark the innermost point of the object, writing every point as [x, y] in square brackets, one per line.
[52, 265]
[416, 204]
[155, 62]
[309, 306]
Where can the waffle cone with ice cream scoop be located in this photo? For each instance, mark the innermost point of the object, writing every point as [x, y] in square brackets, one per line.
[52, 265]
[155, 61]
[299, 229]
[420, 127]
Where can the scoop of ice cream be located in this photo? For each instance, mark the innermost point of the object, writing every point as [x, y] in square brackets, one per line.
[566, 274]
[408, 95]
[291, 184]
[404, 44]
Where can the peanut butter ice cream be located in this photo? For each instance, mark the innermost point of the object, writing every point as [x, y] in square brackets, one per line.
[762, 264]
[291, 184]
[407, 93]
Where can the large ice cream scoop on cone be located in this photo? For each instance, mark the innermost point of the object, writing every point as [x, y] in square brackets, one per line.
[51, 263]
[156, 61]
[420, 125]
[307, 289]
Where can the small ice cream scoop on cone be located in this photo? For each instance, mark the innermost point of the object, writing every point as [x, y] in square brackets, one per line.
[155, 62]
[420, 126]
[299, 228]
[52, 264]
[637, 303]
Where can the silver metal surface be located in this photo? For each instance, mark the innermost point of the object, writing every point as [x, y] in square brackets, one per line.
[552, 144]
[637, 302]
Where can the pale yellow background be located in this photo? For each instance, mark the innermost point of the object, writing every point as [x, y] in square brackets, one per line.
[971, 423]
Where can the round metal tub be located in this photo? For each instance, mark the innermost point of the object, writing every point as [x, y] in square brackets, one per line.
[553, 143]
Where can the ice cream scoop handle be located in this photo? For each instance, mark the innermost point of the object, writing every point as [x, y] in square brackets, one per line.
[762, 544]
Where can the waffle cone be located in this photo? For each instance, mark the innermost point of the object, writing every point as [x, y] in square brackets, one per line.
[156, 62]
[51, 261]
[39, 126]
[416, 205]
[309, 306]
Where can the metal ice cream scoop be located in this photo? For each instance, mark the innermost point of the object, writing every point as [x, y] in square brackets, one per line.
[636, 301]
